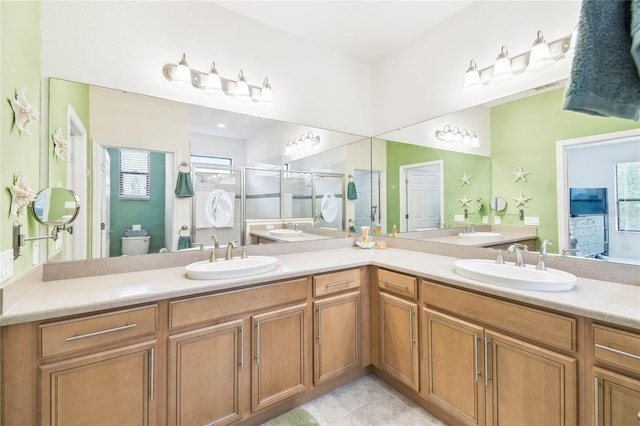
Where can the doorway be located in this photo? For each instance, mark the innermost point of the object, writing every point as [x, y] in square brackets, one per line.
[421, 193]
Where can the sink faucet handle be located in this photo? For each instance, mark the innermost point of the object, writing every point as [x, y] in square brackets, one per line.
[216, 244]
[544, 245]
[499, 258]
[244, 252]
[229, 253]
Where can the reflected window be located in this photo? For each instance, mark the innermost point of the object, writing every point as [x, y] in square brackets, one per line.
[134, 174]
[214, 164]
[628, 196]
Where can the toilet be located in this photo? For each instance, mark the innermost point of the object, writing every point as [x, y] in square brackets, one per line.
[135, 242]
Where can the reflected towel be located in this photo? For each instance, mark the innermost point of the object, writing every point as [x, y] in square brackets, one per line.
[351, 191]
[184, 187]
[635, 33]
[604, 78]
[184, 242]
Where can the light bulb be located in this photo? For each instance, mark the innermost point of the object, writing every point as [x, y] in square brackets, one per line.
[214, 84]
[472, 80]
[539, 57]
[265, 92]
[182, 73]
[242, 88]
[502, 68]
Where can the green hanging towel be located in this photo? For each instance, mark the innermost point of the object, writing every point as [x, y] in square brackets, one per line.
[351, 189]
[184, 187]
[184, 242]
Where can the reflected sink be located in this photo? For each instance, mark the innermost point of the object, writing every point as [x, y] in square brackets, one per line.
[285, 233]
[481, 235]
[509, 275]
[225, 269]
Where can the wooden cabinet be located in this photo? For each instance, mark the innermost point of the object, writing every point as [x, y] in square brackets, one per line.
[115, 387]
[616, 399]
[205, 367]
[616, 395]
[337, 346]
[398, 343]
[281, 355]
[481, 376]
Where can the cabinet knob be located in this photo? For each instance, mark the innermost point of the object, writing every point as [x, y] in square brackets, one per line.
[638, 416]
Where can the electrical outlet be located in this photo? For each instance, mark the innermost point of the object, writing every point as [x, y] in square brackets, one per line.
[269, 226]
[485, 219]
[458, 218]
[6, 265]
[35, 254]
[532, 220]
[496, 220]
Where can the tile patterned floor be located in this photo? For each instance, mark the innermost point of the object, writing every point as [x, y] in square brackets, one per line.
[368, 401]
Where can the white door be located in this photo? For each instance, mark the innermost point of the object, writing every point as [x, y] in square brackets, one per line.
[367, 205]
[422, 190]
[105, 209]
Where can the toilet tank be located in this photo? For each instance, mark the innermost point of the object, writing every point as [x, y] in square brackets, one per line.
[135, 245]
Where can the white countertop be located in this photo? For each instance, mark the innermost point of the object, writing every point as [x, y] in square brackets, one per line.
[305, 236]
[506, 237]
[600, 300]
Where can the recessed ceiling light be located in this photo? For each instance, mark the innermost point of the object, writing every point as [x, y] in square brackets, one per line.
[222, 125]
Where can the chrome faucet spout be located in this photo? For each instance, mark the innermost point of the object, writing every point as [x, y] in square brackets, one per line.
[216, 244]
[518, 249]
[229, 253]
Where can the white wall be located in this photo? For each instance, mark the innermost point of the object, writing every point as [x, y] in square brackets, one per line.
[125, 44]
[425, 79]
[216, 146]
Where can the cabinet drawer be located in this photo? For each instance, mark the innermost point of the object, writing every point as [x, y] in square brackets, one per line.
[196, 310]
[394, 282]
[617, 347]
[337, 281]
[89, 332]
[544, 327]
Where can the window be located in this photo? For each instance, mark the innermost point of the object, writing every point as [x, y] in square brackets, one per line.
[628, 196]
[214, 164]
[134, 174]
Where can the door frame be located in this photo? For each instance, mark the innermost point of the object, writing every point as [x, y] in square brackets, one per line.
[403, 189]
[77, 179]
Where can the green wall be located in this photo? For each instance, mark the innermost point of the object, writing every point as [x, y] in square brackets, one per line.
[148, 213]
[455, 165]
[61, 94]
[524, 134]
[19, 67]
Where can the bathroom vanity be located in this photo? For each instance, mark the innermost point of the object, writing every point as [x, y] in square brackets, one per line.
[158, 348]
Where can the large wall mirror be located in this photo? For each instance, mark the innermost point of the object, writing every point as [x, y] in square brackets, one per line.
[527, 149]
[125, 152]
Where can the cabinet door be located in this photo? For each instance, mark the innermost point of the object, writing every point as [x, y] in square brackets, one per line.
[453, 363]
[529, 385]
[204, 373]
[337, 336]
[104, 389]
[280, 348]
[617, 399]
[398, 339]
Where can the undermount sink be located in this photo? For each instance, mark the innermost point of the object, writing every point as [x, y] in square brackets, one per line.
[225, 269]
[509, 275]
[481, 235]
[285, 233]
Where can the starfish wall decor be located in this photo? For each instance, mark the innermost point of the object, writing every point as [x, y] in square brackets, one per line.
[521, 200]
[465, 179]
[520, 175]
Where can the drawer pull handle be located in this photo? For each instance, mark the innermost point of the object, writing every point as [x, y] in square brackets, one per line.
[97, 333]
[346, 282]
[617, 351]
[391, 283]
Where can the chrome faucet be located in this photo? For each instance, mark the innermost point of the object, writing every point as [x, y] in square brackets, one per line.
[471, 229]
[518, 249]
[216, 244]
[212, 258]
[543, 252]
[229, 253]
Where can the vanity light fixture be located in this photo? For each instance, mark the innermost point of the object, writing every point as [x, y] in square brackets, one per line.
[502, 68]
[211, 82]
[303, 142]
[541, 56]
[456, 135]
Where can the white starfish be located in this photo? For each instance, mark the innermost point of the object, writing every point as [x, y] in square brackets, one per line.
[465, 179]
[465, 201]
[21, 194]
[520, 174]
[521, 200]
[23, 111]
[60, 144]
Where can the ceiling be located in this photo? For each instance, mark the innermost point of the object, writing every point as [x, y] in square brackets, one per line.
[364, 30]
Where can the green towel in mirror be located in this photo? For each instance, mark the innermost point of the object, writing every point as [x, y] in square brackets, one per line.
[184, 187]
[184, 242]
[351, 191]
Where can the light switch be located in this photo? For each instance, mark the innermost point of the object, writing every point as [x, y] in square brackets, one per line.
[496, 220]
[6, 265]
[532, 220]
[485, 219]
[35, 254]
[458, 218]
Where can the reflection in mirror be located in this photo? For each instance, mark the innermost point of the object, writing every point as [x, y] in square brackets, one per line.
[498, 204]
[55, 206]
[521, 133]
[116, 120]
